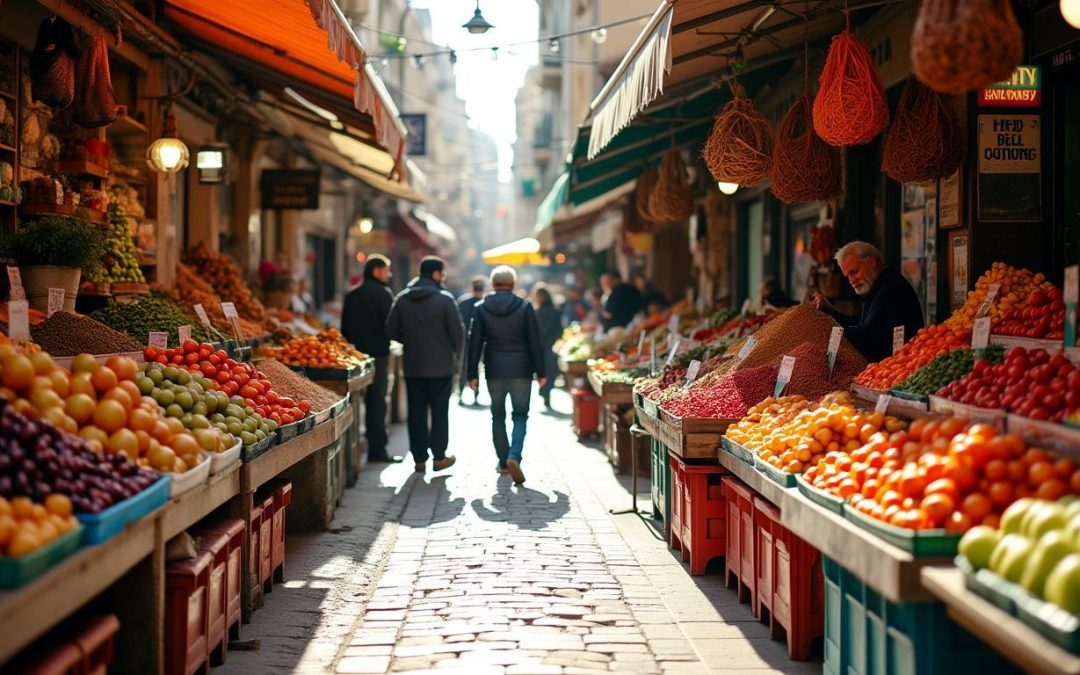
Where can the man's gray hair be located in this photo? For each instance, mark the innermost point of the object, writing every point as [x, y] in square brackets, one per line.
[503, 275]
[859, 248]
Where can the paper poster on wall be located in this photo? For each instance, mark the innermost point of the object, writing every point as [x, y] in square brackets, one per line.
[913, 233]
[958, 263]
[949, 201]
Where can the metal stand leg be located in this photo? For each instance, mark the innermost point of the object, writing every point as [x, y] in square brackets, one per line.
[633, 489]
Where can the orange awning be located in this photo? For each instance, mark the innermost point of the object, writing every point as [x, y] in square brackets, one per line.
[308, 43]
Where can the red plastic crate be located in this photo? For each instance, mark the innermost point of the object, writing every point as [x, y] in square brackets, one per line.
[282, 498]
[233, 528]
[733, 525]
[62, 659]
[217, 544]
[266, 539]
[255, 546]
[678, 504]
[766, 520]
[704, 517]
[95, 641]
[740, 516]
[586, 412]
[186, 585]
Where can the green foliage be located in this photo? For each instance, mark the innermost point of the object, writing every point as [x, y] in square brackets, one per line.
[56, 240]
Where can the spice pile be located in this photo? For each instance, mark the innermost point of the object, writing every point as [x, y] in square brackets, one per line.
[729, 397]
[794, 326]
[810, 376]
[225, 277]
[65, 334]
[153, 314]
[288, 382]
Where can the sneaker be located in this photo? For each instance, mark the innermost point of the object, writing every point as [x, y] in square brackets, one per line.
[446, 463]
[514, 469]
[502, 470]
[420, 467]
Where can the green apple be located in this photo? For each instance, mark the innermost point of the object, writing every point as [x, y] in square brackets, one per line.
[1063, 585]
[1046, 519]
[1072, 528]
[978, 543]
[1009, 556]
[1050, 549]
[1013, 517]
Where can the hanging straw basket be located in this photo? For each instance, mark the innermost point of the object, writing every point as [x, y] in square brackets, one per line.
[850, 108]
[961, 45]
[923, 142]
[739, 148]
[646, 182]
[804, 167]
[672, 200]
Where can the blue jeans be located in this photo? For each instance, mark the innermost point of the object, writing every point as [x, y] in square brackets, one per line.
[520, 391]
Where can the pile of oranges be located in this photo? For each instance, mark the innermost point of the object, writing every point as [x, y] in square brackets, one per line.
[943, 474]
[928, 344]
[1015, 285]
[328, 349]
[25, 526]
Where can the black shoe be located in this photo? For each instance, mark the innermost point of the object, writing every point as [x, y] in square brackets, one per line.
[445, 463]
[385, 459]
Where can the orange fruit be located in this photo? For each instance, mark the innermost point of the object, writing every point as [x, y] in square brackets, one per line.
[103, 379]
[977, 506]
[59, 505]
[1040, 471]
[1001, 493]
[22, 508]
[938, 507]
[1051, 489]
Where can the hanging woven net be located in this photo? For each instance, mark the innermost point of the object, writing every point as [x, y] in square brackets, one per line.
[671, 200]
[740, 145]
[923, 142]
[645, 184]
[961, 45]
[850, 108]
[804, 167]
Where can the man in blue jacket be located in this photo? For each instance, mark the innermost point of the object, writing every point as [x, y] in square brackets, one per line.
[505, 332]
[424, 318]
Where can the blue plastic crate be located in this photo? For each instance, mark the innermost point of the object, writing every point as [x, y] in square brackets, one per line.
[101, 527]
[866, 634]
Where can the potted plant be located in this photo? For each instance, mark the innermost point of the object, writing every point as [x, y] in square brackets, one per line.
[277, 284]
[54, 252]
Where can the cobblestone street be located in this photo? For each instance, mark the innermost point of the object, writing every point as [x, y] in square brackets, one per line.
[465, 571]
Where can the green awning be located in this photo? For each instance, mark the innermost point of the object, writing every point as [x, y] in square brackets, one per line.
[545, 213]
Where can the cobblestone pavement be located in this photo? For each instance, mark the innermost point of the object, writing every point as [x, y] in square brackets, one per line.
[465, 571]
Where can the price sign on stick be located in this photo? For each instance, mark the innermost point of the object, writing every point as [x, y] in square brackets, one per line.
[787, 366]
[980, 334]
[183, 333]
[692, 372]
[159, 340]
[1072, 298]
[229, 309]
[747, 347]
[673, 324]
[834, 346]
[671, 352]
[56, 300]
[745, 308]
[201, 313]
[897, 339]
[882, 405]
[641, 345]
[984, 308]
[15, 281]
[652, 355]
[19, 320]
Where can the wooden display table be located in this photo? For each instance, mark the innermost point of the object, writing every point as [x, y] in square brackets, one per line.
[611, 393]
[691, 438]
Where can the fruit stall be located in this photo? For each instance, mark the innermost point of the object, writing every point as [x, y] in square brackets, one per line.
[903, 488]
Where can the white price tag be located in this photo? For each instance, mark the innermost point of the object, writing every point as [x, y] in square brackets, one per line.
[897, 339]
[159, 340]
[980, 333]
[56, 300]
[787, 366]
[747, 347]
[19, 320]
[673, 324]
[652, 355]
[229, 309]
[834, 346]
[692, 371]
[201, 313]
[15, 281]
[745, 307]
[882, 405]
[984, 308]
[183, 333]
[1072, 283]
[672, 352]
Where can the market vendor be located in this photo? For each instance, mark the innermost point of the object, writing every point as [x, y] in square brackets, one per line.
[888, 300]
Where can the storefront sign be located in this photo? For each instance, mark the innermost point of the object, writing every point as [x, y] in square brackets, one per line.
[1020, 90]
[416, 140]
[290, 189]
[1010, 163]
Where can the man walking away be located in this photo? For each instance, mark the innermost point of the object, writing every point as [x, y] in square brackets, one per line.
[363, 323]
[621, 302]
[549, 322]
[506, 333]
[467, 308]
[425, 319]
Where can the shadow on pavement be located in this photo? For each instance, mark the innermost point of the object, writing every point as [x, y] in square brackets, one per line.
[526, 508]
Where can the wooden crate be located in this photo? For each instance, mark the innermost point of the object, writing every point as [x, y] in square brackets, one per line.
[691, 438]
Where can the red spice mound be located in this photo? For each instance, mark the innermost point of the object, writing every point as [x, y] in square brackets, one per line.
[729, 397]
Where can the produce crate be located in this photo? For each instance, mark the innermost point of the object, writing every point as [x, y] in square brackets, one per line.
[704, 516]
[266, 534]
[617, 442]
[866, 393]
[233, 528]
[287, 432]
[15, 572]
[339, 407]
[186, 602]
[95, 638]
[190, 479]
[1052, 622]
[335, 477]
[586, 420]
[737, 451]
[739, 562]
[282, 499]
[990, 587]
[865, 634]
[823, 499]
[101, 527]
[911, 397]
[677, 512]
[221, 461]
[253, 452]
[323, 415]
[920, 543]
[660, 485]
[1061, 437]
[217, 595]
[944, 406]
[329, 374]
[691, 438]
[782, 478]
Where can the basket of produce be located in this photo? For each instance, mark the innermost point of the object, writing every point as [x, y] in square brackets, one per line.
[823, 499]
[1062, 437]
[19, 570]
[287, 432]
[932, 543]
[221, 461]
[737, 451]
[989, 586]
[104, 525]
[190, 479]
[944, 406]
[339, 407]
[779, 476]
[252, 452]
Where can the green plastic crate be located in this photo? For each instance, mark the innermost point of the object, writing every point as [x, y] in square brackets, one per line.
[929, 543]
[783, 478]
[15, 572]
[819, 496]
[661, 482]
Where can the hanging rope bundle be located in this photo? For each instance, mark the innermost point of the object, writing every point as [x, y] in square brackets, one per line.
[961, 45]
[804, 167]
[740, 145]
[671, 200]
[850, 108]
[645, 183]
[924, 141]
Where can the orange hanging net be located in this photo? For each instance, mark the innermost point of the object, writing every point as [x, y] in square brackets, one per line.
[804, 167]
[850, 108]
[961, 45]
[923, 142]
[740, 145]
[672, 200]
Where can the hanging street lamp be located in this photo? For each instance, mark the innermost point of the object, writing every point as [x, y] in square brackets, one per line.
[477, 25]
[168, 154]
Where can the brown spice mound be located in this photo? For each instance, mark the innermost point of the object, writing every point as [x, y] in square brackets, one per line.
[288, 382]
[65, 334]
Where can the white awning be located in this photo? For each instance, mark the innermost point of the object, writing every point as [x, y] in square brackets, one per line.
[637, 81]
[436, 226]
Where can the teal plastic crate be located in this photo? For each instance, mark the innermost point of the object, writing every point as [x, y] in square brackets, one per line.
[661, 482]
[819, 496]
[782, 478]
[866, 634]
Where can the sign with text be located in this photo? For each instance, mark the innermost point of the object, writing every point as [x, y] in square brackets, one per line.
[834, 346]
[416, 139]
[1021, 90]
[19, 320]
[200, 311]
[183, 333]
[980, 334]
[159, 340]
[1010, 165]
[692, 372]
[229, 310]
[897, 338]
[56, 300]
[15, 281]
[290, 189]
[787, 366]
[747, 347]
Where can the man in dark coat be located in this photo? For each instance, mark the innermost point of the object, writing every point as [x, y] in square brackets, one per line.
[467, 309]
[425, 319]
[363, 323]
[621, 302]
[549, 321]
[505, 332]
[888, 300]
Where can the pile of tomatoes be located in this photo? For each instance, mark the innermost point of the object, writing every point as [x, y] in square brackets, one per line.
[234, 378]
[943, 474]
[928, 344]
[1029, 383]
[1042, 316]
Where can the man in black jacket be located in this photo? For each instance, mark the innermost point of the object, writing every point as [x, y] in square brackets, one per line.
[363, 323]
[621, 302]
[888, 300]
[425, 319]
[505, 331]
[466, 305]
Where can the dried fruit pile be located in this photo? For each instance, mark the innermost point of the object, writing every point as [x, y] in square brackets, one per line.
[154, 314]
[810, 376]
[1015, 285]
[225, 276]
[288, 382]
[728, 397]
